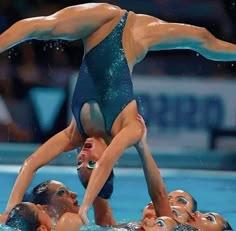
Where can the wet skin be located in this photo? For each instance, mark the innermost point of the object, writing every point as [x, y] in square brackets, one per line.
[181, 198]
[62, 199]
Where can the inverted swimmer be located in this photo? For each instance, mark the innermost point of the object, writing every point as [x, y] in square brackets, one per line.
[103, 103]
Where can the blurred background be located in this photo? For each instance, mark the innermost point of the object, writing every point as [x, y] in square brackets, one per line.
[187, 101]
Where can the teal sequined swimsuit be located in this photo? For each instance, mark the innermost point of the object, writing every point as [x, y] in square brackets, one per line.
[104, 77]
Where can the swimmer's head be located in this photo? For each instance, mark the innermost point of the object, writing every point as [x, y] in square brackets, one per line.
[28, 217]
[208, 221]
[180, 214]
[107, 188]
[149, 211]
[158, 224]
[87, 158]
[183, 199]
[56, 195]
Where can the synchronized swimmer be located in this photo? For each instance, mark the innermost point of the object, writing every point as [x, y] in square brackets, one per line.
[103, 104]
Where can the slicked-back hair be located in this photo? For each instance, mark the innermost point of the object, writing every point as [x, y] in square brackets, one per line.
[228, 226]
[41, 194]
[194, 205]
[107, 188]
[194, 202]
[22, 217]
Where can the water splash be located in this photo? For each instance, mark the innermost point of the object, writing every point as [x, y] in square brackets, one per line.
[59, 45]
[12, 53]
[233, 4]
[5, 227]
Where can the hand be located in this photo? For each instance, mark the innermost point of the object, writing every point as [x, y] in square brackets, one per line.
[3, 217]
[83, 214]
[141, 120]
[142, 141]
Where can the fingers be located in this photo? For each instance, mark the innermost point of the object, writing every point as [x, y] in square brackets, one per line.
[140, 119]
[83, 215]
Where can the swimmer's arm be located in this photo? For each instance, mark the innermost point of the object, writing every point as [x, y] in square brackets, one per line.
[70, 23]
[44, 154]
[160, 35]
[3, 218]
[103, 212]
[155, 183]
[128, 136]
[69, 221]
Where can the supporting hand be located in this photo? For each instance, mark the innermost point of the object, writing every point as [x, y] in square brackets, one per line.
[142, 141]
[83, 214]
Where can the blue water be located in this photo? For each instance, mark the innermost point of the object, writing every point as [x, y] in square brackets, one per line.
[214, 191]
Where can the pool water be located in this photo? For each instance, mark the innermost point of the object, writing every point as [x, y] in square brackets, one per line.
[214, 191]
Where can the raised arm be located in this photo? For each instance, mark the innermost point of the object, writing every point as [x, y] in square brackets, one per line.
[63, 141]
[155, 183]
[160, 35]
[103, 213]
[70, 23]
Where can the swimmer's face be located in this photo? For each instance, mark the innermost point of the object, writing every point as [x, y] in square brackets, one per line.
[90, 153]
[180, 214]
[43, 217]
[62, 199]
[181, 198]
[149, 211]
[158, 224]
[207, 221]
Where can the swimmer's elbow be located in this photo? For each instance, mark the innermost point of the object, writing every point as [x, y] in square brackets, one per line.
[29, 166]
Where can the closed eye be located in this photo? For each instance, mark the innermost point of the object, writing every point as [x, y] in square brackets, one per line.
[176, 212]
[61, 192]
[182, 200]
[211, 218]
[79, 164]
